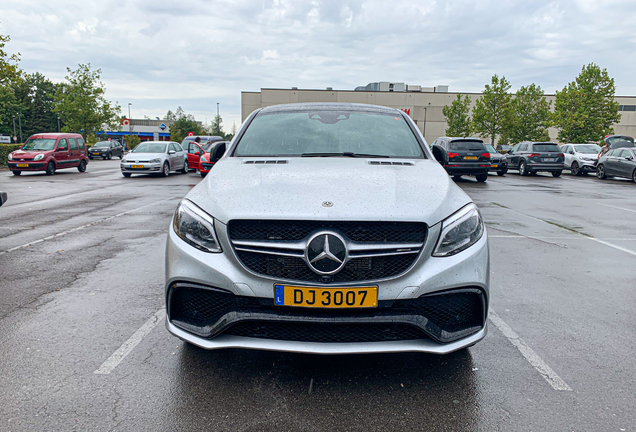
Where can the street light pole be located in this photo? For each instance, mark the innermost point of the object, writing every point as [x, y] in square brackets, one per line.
[129, 126]
[58, 123]
[20, 123]
[14, 125]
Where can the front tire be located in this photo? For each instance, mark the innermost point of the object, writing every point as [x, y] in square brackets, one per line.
[126, 174]
[522, 169]
[574, 169]
[502, 172]
[16, 173]
[165, 170]
[600, 172]
[82, 166]
[50, 168]
[121, 155]
[556, 173]
[634, 176]
[185, 168]
[110, 156]
[203, 174]
[481, 177]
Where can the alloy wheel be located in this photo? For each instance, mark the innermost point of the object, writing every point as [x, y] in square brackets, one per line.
[574, 170]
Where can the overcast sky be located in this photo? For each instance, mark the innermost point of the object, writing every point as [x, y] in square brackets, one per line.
[161, 54]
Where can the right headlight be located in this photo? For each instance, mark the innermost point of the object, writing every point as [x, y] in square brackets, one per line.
[157, 160]
[196, 227]
[459, 231]
[10, 156]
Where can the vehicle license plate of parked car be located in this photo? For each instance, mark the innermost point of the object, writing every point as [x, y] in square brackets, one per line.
[96, 154]
[314, 297]
[136, 166]
[470, 157]
[547, 160]
[22, 165]
[494, 166]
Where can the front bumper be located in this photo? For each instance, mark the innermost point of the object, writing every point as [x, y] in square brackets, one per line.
[586, 166]
[147, 168]
[32, 166]
[468, 269]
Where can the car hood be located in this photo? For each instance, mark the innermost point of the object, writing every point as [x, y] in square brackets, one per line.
[144, 156]
[29, 153]
[304, 188]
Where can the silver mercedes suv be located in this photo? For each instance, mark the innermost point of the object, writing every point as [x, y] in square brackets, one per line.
[331, 229]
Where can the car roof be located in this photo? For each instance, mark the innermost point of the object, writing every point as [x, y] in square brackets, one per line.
[464, 139]
[328, 106]
[55, 135]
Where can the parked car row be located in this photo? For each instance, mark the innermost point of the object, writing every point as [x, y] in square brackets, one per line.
[471, 156]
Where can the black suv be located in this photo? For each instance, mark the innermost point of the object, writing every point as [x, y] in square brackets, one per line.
[529, 157]
[463, 156]
[106, 150]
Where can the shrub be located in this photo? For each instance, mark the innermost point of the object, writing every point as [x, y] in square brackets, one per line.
[5, 149]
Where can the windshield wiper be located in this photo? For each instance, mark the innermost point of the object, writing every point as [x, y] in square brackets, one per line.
[345, 154]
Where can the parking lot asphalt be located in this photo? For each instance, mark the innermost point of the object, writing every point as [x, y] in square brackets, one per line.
[83, 346]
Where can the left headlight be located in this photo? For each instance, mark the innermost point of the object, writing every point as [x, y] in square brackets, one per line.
[38, 157]
[10, 156]
[157, 160]
[196, 227]
[460, 231]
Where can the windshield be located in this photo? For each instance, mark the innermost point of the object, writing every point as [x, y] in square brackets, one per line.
[490, 148]
[102, 144]
[546, 148]
[329, 133]
[466, 145]
[150, 148]
[587, 149]
[39, 144]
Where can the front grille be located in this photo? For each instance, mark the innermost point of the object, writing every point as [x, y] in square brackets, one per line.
[276, 249]
[371, 232]
[356, 269]
[306, 332]
[209, 312]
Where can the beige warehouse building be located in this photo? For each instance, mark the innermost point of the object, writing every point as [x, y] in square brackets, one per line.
[423, 104]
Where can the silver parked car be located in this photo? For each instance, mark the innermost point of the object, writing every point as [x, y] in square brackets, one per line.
[155, 157]
[331, 229]
[580, 158]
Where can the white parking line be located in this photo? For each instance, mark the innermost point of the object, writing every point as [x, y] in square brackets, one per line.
[616, 207]
[116, 358]
[82, 227]
[546, 371]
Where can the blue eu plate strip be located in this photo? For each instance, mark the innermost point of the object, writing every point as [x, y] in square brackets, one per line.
[279, 295]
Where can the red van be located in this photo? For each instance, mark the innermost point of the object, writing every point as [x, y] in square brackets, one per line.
[49, 152]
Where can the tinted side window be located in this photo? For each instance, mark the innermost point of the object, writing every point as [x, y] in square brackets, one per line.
[72, 143]
[610, 153]
[626, 153]
[523, 147]
[178, 147]
[80, 142]
[62, 145]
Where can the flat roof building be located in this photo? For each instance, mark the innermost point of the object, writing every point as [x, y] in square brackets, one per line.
[423, 104]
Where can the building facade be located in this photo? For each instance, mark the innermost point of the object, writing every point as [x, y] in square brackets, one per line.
[423, 104]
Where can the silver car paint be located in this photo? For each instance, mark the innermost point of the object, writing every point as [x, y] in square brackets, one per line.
[359, 191]
[175, 161]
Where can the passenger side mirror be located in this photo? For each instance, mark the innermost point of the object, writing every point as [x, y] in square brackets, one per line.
[218, 152]
[440, 154]
[171, 152]
[61, 149]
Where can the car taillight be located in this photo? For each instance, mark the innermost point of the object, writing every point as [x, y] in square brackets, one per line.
[535, 154]
[486, 155]
[561, 155]
[452, 155]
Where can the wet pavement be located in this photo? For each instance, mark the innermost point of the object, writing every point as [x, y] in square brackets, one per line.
[81, 273]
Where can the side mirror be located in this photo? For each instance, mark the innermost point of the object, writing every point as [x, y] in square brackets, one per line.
[440, 154]
[171, 152]
[218, 153]
[61, 149]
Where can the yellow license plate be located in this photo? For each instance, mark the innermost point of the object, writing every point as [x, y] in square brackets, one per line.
[470, 157]
[22, 165]
[494, 166]
[314, 297]
[136, 166]
[96, 154]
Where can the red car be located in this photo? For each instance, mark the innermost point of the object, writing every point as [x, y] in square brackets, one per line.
[49, 152]
[214, 153]
[196, 149]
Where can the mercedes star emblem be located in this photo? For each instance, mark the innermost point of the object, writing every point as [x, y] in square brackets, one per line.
[326, 253]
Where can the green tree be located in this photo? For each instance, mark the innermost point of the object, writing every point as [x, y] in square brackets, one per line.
[170, 116]
[216, 128]
[458, 117]
[81, 104]
[491, 114]
[585, 110]
[10, 77]
[184, 123]
[36, 95]
[530, 115]
[10, 72]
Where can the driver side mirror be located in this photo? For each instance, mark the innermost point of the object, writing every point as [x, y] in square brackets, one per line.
[440, 154]
[61, 149]
[171, 152]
